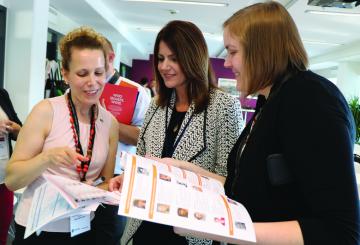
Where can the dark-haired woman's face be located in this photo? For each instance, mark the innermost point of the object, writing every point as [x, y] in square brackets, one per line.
[169, 68]
[234, 59]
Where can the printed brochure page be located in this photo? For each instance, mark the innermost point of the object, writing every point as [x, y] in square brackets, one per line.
[60, 198]
[196, 205]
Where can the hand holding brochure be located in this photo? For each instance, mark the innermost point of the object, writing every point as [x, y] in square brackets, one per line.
[196, 205]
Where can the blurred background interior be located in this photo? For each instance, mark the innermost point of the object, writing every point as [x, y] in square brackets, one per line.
[31, 29]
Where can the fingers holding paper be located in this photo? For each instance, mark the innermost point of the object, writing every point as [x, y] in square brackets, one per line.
[115, 184]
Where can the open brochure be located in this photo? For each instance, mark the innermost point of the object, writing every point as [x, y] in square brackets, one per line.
[120, 101]
[61, 198]
[195, 205]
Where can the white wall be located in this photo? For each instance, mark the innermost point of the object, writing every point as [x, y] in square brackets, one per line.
[60, 22]
[118, 50]
[123, 56]
[329, 73]
[349, 78]
[4, 3]
[347, 59]
[347, 75]
[25, 51]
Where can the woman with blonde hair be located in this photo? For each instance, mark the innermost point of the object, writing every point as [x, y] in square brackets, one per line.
[69, 135]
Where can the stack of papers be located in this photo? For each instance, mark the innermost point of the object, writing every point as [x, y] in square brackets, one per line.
[61, 198]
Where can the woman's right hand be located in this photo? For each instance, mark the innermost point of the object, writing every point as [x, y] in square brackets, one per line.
[115, 184]
[63, 155]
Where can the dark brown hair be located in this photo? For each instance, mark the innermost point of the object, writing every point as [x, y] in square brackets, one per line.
[187, 43]
[271, 43]
[81, 38]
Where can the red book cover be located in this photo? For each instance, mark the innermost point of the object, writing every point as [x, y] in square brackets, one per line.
[120, 101]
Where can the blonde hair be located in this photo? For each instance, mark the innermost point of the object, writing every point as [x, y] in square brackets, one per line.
[81, 38]
[271, 43]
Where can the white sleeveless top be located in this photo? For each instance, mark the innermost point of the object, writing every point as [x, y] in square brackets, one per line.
[60, 135]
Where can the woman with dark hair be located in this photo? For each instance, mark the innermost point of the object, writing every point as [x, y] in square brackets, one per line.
[190, 119]
[293, 165]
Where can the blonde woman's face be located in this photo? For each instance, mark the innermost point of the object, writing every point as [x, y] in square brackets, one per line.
[86, 75]
[235, 59]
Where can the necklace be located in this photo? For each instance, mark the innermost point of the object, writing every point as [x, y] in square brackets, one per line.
[83, 167]
[176, 128]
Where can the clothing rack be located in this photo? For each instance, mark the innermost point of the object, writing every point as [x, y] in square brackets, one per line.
[54, 84]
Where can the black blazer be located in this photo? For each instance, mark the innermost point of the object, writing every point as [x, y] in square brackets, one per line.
[307, 120]
[8, 108]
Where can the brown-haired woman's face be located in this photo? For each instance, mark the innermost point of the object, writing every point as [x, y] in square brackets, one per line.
[86, 75]
[169, 68]
[234, 59]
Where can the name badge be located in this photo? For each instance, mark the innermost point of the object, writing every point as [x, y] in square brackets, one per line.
[4, 148]
[79, 223]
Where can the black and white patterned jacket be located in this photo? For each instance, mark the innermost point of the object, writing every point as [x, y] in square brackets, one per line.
[206, 142]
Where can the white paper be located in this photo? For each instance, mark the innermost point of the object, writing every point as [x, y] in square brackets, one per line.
[80, 194]
[195, 204]
[60, 198]
[79, 223]
[47, 206]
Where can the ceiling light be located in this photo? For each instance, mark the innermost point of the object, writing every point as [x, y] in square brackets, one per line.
[216, 4]
[332, 13]
[320, 42]
[157, 29]
[149, 29]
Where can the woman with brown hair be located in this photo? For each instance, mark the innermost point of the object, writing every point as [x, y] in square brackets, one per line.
[69, 135]
[190, 119]
[292, 167]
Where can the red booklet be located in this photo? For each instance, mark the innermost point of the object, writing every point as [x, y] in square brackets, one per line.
[120, 101]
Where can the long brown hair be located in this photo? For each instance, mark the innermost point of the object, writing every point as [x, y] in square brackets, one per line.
[271, 43]
[187, 43]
